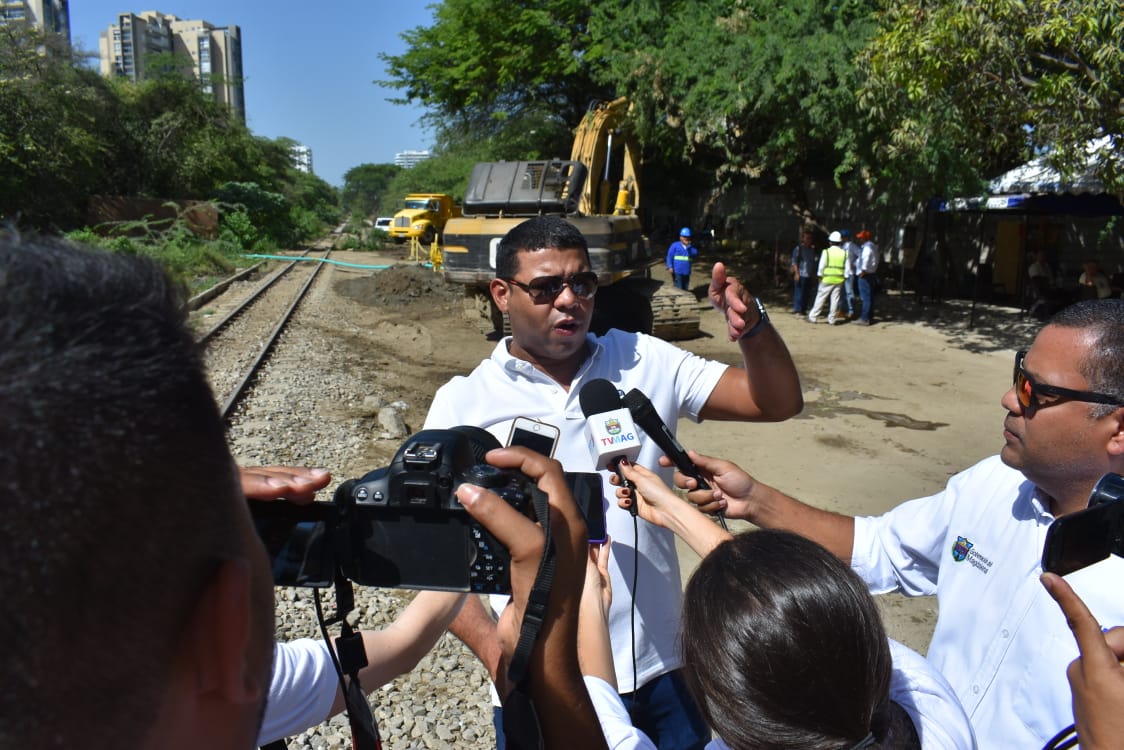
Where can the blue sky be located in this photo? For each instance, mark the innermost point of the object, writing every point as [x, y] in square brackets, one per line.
[309, 77]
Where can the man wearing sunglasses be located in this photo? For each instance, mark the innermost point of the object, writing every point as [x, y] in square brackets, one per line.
[545, 285]
[977, 545]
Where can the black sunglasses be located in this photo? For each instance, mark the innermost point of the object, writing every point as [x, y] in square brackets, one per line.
[1028, 391]
[546, 288]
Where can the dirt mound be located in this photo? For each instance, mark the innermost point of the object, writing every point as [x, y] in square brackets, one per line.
[405, 285]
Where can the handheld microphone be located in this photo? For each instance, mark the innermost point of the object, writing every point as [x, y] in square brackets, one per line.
[649, 420]
[612, 434]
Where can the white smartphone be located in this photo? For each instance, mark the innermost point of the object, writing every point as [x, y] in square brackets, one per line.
[531, 433]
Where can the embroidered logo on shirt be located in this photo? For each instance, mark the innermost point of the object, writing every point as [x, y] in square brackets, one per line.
[963, 550]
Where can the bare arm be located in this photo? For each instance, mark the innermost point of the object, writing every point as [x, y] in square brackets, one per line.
[595, 652]
[397, 648]
[768, 389]
[476, 628]
[565, 710]
[739, 495]
[658, 504]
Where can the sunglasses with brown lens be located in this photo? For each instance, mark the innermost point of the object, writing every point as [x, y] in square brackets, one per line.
[1028, 391]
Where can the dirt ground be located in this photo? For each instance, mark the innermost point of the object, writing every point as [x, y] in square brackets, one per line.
[891, 411]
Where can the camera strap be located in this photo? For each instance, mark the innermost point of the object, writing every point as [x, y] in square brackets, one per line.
[520, 719]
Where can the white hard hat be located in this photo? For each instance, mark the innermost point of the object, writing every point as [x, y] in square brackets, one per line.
[835, 237]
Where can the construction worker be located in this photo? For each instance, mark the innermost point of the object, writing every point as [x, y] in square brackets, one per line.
[679, 257]
[832, 271]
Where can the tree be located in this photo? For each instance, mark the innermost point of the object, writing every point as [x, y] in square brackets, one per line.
[753, 90]
[972, 88]
[364, 189]
[483, 68]
[57, 130]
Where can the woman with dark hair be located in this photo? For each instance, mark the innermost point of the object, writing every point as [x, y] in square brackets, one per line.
[782, 645]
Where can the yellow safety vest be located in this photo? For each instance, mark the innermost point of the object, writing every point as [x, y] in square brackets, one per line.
[833, 269]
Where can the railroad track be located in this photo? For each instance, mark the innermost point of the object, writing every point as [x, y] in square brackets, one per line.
[238, 344]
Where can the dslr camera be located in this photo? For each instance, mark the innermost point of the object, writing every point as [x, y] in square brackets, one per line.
[1080, 539]
[401, 526]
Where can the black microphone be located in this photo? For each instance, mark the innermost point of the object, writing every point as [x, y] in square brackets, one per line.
[612, 434]
[649, 420]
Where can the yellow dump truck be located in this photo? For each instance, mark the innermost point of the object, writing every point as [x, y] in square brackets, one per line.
[423, 215]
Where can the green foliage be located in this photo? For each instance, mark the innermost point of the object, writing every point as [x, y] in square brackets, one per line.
[364, 189]
[67, 134]
[56, 130]
[976, 87]
[185, 255]
[437, 174]
[481, 67]
[756, 89]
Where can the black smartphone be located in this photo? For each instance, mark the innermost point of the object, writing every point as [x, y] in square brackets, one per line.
[1087, 536]
[587, 489]
[299, 541]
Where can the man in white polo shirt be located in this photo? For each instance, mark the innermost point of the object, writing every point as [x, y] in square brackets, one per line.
[545, 285]
[977, 545]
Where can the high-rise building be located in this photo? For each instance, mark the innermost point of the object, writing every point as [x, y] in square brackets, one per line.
[52, 16]
[302, 157]
[215, 52]
[407, 159]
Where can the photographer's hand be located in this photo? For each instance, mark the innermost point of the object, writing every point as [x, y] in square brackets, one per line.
[1096, 678]
[297, 484]
[565, 711]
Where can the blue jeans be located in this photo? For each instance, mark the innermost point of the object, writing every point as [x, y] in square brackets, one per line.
[803, 292]
[866, 291]
[662, 709]
[850, 288]
[665, 711]
[682, 280]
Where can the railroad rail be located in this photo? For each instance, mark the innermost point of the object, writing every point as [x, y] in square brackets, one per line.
[231, 396]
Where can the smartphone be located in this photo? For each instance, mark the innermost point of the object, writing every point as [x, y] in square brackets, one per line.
[587, 489]
[298, 539]
[1083, 538]
[531, 433]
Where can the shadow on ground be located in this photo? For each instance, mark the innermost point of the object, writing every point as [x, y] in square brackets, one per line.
[977, 327]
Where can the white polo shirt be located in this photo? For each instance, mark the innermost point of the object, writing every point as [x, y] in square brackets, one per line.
[678, 383]
[1000, 640]
[914, 685]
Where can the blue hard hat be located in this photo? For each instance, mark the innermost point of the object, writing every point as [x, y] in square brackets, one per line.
[685, 232]
[845, 232]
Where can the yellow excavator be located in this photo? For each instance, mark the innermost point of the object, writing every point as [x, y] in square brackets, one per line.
[598, 190]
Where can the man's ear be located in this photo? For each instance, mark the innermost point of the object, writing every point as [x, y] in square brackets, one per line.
[1116, 439]
[501, 292]
[220, 637]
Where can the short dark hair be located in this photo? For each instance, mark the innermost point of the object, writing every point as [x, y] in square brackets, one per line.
[541, 232]
[120, 495]
[783, 646]
[1104, 319]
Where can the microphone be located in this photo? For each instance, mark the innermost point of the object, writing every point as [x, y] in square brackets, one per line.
[612, 434]
[649, 420]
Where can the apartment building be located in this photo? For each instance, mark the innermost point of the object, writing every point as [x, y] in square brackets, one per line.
[52, 16]
[215, 52]
[408, 159]
[302, 157]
